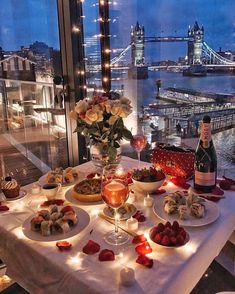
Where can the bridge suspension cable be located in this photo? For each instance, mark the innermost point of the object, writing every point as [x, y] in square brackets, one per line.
[209, 52]
[121, 55]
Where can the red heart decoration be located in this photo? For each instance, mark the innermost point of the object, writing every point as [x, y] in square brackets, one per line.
[139, 239]
[106, 255]
[143, 248]
[144, 260]
[91, 247]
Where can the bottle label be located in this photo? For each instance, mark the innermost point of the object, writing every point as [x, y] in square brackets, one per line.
[205, 132]
[204, 179]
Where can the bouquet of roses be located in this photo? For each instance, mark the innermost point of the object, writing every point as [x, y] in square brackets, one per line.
[101, 119]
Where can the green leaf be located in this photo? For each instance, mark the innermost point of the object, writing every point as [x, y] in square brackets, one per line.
[127, 134]
[112, 152]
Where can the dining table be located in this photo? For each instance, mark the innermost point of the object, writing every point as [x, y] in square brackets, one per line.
[39, 267]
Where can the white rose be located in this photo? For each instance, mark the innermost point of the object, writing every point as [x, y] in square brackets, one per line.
[115, 108]
[91, 116]
[112, 119]
[73, 115]
[125, 110]
[81, 106]
[125, 100]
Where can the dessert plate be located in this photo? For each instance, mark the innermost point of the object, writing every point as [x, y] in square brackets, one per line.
[128, 211]
[70, 198]
[22, 194]
[83, 221]
[212, 213]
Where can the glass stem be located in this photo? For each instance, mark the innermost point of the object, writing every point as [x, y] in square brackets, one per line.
[116, 221]
[138, 159]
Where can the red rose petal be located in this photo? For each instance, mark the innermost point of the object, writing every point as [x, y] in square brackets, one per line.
[230, 180]
[139, 216]
[144, 260]
[58, 202]
[106, 255]
[217, 191]
[4, 208]
[225, 185]
[63, 245]
[160, 191]
[139, 239]
[91, 247]
[143, 248]
[180, 182]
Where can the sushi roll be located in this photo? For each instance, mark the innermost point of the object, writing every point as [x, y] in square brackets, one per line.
[170, 207]
[44, 213]
[197, 210]
[35, 223]
[62, 226]
[180, 198]
[55, 216]
[53, 208]
[46, 228]
[71, 218]
[183, 212]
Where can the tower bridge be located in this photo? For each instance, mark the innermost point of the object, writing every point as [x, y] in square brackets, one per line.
[199, 54]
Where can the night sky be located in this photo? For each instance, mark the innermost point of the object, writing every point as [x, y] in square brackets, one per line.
[25, 21]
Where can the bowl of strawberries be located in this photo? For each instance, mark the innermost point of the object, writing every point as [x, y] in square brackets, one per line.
[148, 180]
[169, 235]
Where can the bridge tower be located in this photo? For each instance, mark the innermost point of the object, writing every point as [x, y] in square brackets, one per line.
[196, 35]
[137, 45]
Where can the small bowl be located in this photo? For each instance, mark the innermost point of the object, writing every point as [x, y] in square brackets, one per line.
[148, 187]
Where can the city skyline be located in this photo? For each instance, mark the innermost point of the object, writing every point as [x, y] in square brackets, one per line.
[216, 17]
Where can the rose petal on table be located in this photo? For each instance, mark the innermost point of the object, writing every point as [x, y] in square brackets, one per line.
[180, 182]
[144, 260]
[139, 216]
[58, 202]
[4, 208]
[63, 245]
[230, 180]
[217, 191]
[91, 247]
[143, 248]
[211, 198]
[160, 191]
[139, 239]
[106, 255]
[225, 184]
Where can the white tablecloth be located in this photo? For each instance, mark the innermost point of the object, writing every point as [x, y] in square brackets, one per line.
[41, 268]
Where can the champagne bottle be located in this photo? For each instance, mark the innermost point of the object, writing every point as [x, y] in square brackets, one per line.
[205, 164]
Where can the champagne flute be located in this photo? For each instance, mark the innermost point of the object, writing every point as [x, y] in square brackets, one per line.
[115, 192]
[138, 143]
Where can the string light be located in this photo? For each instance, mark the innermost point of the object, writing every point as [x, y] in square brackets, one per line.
[75, 29]
[105, 79]
[101, 2]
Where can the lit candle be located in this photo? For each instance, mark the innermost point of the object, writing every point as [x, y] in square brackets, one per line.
[127, 276]
[132, 224]
[148, 201]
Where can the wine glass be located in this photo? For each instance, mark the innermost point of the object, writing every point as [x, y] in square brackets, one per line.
[138, 143]
[114, 192]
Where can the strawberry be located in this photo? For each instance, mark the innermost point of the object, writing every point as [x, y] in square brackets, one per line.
[168, 225]
[153, 232]
[157, 239]
[165, 241]
[182, 233]
[175, 226]
[180, 240]
[173, 241]
[160, 227]
[167, 231]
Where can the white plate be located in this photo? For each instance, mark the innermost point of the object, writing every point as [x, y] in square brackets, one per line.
[83, 221]
[125, 216]
[69, 197]
[22, 194]
[212, 213]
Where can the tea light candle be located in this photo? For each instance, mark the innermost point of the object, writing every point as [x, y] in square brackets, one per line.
[148, 201]
[35, 189]
[132, 224]
[127, 276]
